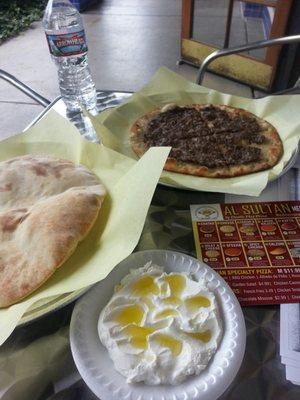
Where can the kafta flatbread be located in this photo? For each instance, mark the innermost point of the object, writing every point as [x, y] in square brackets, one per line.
[214, 141]
[47, 206]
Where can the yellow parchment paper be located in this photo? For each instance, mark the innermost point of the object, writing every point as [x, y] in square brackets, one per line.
[130, 186]
[168, 87]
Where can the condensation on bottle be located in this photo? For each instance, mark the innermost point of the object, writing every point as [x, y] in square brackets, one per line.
[67, 44]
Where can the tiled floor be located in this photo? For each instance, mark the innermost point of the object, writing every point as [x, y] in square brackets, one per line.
[128, 41]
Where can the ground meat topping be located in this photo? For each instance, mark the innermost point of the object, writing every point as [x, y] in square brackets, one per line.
[211, 137]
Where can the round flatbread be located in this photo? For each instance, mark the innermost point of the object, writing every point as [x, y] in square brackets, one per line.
[208, 140]
[47, 206]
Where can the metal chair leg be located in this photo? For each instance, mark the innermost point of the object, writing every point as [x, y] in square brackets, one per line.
[24, 88]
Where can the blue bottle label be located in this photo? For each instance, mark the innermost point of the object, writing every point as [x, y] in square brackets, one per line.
[68, 44]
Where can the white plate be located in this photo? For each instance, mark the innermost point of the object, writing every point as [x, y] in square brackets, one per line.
[97, 369]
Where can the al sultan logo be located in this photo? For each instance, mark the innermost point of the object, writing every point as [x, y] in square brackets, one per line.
[206, 213]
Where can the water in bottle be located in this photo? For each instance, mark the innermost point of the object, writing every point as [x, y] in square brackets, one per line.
[67, 43]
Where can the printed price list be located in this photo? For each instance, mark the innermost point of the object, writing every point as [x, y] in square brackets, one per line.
[255, 247]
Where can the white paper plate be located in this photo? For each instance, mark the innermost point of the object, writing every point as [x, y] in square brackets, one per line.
[97, 369]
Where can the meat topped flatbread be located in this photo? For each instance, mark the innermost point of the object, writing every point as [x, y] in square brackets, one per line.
[207, 140]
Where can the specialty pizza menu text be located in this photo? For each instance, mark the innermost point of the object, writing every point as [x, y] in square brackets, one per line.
[255, 247]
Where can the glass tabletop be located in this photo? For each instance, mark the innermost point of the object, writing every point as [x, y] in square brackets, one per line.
[36, 361]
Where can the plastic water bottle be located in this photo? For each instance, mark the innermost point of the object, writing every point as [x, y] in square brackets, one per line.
[67, 44]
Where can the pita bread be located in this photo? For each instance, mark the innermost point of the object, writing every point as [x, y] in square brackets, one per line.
[47, 206]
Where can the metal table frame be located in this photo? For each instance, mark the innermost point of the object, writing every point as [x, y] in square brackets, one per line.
[168, 225]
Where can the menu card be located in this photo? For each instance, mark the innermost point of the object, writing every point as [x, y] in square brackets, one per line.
[255, 247]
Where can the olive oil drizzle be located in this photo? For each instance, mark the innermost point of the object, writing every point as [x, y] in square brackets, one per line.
[131, 317]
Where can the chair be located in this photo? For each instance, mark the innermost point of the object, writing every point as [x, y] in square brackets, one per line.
[239, 49]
